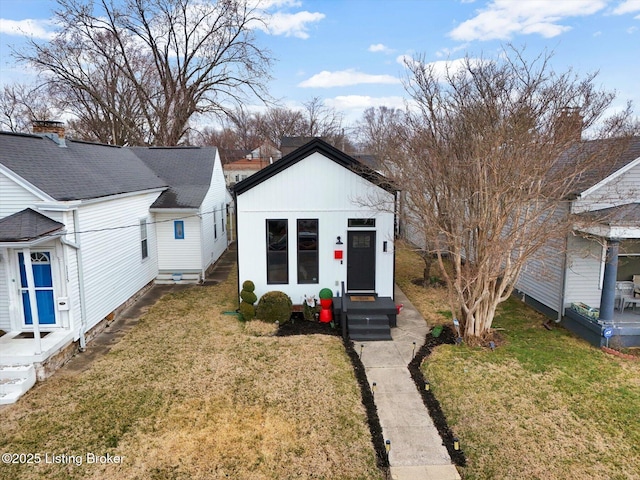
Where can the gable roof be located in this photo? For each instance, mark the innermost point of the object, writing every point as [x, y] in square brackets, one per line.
[26, 225]
[591, 179]
[187, 171]
[320, 146]
[78, 171]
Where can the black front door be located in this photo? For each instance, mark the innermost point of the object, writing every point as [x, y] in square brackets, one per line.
[361, 261]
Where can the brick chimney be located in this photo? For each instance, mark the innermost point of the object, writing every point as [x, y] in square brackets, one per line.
[50, 129]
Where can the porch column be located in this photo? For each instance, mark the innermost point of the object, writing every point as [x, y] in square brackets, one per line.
[607, 299]
[33, 301]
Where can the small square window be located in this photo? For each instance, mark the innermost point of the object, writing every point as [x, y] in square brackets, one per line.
[178, 229]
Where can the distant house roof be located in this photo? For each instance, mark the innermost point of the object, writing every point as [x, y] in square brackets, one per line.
[187, 171]
[78, 171]
[289, 144]
[247, 164]
[27, 225]
[316, 145]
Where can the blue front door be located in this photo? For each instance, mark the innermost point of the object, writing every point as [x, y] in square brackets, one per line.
[41, 263]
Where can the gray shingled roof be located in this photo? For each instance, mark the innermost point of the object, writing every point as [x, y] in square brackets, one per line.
[187, 170]
[78, 171]
[26, 225]
[620, 159]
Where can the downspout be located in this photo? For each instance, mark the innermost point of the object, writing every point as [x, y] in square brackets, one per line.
[563, 288]
[79, 266]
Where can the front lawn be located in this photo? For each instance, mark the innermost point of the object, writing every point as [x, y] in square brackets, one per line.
[191, 393]
[543, 405]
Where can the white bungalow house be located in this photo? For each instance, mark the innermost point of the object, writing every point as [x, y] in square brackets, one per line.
[316, 219]
[191, 215]
[85, 228]
[583, 282]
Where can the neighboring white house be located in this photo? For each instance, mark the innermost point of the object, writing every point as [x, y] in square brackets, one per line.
[314, 219]
[567, 277]
[191, 215]
[85, 227]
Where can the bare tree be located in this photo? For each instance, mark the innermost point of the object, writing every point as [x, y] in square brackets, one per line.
[160, 61]
[487, 169]
[21, 104]
[278, 122]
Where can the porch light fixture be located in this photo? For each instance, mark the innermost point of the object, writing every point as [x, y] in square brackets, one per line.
[338, 241]
[387, 446]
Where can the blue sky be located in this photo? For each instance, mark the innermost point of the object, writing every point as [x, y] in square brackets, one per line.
[349, 52]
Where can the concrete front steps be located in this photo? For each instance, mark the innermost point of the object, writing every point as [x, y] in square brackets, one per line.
[15, 381]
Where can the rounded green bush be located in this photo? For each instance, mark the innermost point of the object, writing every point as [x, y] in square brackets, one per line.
[248, 296]
[248, 311]
[249, 286]
[274, 307]
[326, 293]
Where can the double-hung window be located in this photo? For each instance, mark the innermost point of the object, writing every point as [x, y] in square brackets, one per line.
[144, 242]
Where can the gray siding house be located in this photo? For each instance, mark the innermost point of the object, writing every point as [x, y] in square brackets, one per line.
[586, 281]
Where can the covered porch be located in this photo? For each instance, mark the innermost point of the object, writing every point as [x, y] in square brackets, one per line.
[616, 320]
[34, 313]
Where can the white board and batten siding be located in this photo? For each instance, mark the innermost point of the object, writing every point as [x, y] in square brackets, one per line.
[113, 267]
[313, 188]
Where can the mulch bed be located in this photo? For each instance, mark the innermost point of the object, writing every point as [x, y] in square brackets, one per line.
[428, 398]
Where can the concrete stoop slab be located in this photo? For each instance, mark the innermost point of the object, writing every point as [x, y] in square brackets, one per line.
[425, 472]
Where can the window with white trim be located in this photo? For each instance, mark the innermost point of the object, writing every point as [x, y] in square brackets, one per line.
[144, 242]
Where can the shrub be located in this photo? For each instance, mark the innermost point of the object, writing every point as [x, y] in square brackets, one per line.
[274, 307]
[326, 293]
[247, 310]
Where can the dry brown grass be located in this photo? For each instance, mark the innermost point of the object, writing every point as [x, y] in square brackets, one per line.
[545, 405]
[190, 393]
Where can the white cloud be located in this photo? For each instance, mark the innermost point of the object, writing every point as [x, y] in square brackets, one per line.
[632, 30]
[502, 19]
[40, 29]
[441, 68]
[380, 47]
[628, 6]
[343, 78]
[362, 102]
[290, 24]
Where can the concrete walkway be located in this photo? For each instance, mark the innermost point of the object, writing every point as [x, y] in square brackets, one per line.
[417, 452]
